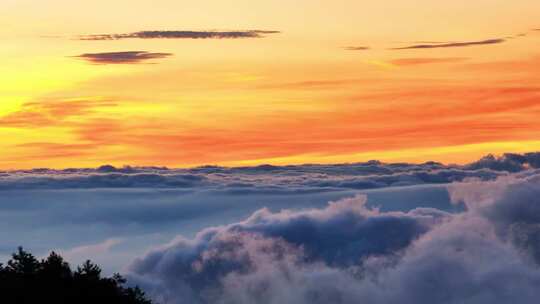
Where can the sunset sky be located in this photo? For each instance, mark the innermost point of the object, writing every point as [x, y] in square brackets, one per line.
[182, 83]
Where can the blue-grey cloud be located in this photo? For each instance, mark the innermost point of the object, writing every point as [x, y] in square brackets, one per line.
[271, 179]
[348, 253]
[80, 180]
[510, 162]
[181, 35]
[44, 208]
[341, 235]
[128, 57]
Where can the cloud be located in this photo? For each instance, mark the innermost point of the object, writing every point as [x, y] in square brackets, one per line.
[81, 253]
[181, 35]
[357, 48]
[130, 57]
[451, 44]
[148, 216]
[50, 112]
[510, 162]
[348, 253]
[433, 42]
[512, 205]
[87, 180]
[310, 84]
[420, 61]
[262, 179]
[148, 206]
[520, 35]
[340, 235]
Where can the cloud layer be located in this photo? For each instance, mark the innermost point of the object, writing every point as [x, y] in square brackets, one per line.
[181, 35]
[272, 179]
[348, 253]
[129, 57]
[267, 231]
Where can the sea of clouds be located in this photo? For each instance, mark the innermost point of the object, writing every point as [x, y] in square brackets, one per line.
[348, 253]
[268, 178]
[354, 233]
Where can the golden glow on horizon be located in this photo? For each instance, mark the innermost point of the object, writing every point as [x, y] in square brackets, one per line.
[294, 97]
[449, 155]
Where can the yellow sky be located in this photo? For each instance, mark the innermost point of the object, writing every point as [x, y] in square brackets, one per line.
[291, 97]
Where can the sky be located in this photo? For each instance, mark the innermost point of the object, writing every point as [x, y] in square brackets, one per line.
[180, 84]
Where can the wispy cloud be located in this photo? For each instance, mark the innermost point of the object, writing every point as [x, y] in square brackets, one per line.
[432, 42]
[419, 61]
[130, 57]
[181, 35]
[47, 113]
[520, 35]
[357, 48]
[310, 84]
[451, 44]
[81, 253]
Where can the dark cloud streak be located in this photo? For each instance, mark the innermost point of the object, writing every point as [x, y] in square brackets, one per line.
[181, 35]
[130, 57]
[451, 45]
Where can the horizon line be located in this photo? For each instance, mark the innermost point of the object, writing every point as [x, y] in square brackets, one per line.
[496, 156]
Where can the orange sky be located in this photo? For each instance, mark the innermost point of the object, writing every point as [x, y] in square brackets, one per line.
[342, 82]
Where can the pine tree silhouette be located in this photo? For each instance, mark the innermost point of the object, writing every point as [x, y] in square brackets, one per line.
[25, 280]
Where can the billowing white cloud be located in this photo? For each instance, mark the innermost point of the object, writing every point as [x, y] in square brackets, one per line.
[349, 253]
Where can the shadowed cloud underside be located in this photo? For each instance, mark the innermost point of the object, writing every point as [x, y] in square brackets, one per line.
[129, 57]
[181, 35]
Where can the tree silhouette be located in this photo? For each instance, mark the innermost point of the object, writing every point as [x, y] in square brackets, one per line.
[25, 280]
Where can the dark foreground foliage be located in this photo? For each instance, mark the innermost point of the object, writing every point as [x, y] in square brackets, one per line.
[24, 279]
